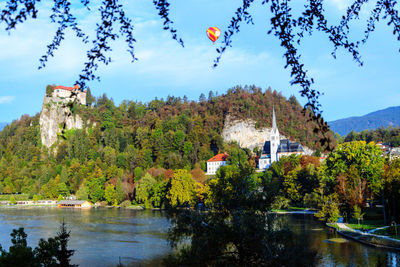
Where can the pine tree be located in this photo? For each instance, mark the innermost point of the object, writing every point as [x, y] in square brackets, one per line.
[64, 254]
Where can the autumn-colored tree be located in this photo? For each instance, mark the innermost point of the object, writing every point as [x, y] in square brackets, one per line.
[199, 175]
[391, 194]
[119, 191]
[329, 209]
[291, 186]
[365, 159]
[109, 194]
[306, 160]
[351, 189]
[182, 188]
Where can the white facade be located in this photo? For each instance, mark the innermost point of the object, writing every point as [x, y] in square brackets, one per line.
[62, 93]
[275, 139]
[67, 94]
[213, 166]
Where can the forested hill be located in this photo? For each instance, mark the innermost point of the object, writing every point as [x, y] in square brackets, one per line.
[374, 120]
[2, 125]
[170, 133]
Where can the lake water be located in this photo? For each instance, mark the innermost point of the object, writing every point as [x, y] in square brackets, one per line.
[102, 236]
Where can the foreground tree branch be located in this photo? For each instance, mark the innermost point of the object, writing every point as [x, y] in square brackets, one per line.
[113, 23]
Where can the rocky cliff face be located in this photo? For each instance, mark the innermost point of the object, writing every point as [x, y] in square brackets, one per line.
[56, 117]
[247, 136]
[245, 133]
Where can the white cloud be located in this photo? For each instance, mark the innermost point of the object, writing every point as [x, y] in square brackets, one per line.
[6, 99]
[340, 4]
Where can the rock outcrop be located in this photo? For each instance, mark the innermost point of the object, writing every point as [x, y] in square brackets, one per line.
[246, 134]
[56, 117]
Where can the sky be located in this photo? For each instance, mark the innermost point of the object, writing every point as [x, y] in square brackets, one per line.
[165, 68]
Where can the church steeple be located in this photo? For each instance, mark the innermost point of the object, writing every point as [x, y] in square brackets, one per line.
[273, 119]
[274, 138]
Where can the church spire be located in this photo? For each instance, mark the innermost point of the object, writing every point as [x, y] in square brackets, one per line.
[273, 119]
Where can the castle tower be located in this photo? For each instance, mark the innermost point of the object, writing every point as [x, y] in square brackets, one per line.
[274, 137]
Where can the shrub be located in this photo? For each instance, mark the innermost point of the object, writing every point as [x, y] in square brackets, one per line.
[125, 203]
[280, 202]
[12, 200]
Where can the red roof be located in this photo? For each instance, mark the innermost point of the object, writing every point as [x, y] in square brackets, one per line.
[219, 157]
[66, 88]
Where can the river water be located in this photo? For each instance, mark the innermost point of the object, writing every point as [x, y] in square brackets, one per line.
[102, 237]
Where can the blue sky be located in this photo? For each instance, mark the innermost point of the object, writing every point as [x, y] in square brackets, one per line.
[164, 68]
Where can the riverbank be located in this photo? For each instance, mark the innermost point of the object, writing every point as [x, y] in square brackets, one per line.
[293, 210]
[366, 238]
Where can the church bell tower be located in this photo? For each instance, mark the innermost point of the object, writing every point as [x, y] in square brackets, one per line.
[274, 137]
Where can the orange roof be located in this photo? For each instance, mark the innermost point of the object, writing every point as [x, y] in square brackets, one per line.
[66, 88]
[219, 157]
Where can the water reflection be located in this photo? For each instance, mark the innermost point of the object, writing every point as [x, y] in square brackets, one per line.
[101, 236]
[339, 253]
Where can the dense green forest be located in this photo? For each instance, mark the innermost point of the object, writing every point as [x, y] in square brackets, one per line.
[120, 144]
[388, 135]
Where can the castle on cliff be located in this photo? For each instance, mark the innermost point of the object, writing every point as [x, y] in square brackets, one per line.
[66, 94]
[56, 116]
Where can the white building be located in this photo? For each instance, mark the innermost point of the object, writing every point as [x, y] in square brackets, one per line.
[275, 148]
[215, 163]
[67, 93]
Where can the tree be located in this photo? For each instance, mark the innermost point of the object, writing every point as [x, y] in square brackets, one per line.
[19, 254]
[360, 158]
[329, 209]
[358, 214]
[64, 254]
[109, 194]
[236, 155]
[143, 188]
[54, 251]
[49, 90]
[89, 97]
[96, 187]
[158, 194]
[182, 188]
[62, 189]
[237, 231]
[83, 192]
[119, 191]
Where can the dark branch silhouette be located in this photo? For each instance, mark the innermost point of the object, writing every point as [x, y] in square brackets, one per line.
[114, 23]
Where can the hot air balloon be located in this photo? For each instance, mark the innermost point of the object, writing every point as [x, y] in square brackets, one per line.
[213, 33]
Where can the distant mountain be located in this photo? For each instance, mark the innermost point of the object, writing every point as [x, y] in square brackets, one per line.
[2, 125]
[381, 118]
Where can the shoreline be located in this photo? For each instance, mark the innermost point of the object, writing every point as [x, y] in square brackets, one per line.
[293, 212]
[369, 239]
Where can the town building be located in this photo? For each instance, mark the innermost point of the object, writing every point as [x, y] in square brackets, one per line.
[215, 163]
[394, 153]
[276, 148]
[74, 204]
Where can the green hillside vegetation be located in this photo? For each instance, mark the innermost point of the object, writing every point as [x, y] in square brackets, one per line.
[122, 144]
[385, 135]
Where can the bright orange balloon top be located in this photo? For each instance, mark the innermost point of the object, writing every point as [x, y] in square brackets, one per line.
[213, 33]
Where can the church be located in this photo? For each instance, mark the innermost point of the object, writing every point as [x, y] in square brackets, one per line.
[276, 148]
